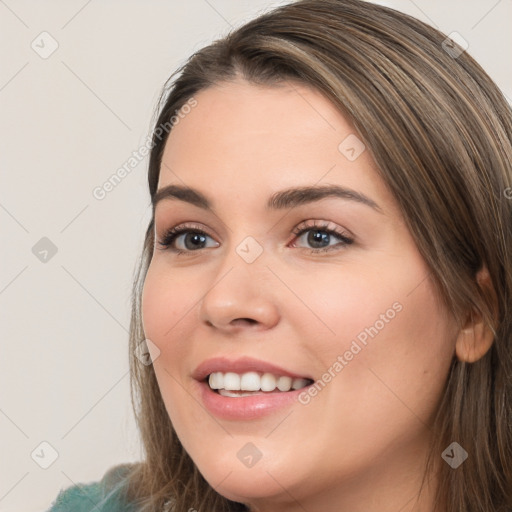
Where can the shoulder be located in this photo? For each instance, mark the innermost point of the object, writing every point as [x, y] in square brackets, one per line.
[104, 495]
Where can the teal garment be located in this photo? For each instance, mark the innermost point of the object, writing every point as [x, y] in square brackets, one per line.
[102, 496]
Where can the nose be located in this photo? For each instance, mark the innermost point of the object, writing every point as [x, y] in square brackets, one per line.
[241, 296]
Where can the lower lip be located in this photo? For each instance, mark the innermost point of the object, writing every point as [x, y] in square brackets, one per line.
[245, 407]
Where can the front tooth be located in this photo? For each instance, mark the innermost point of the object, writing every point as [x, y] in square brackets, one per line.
[299, 383]
[284, 383]
[268, 382]
[250, 381]
[231, 381]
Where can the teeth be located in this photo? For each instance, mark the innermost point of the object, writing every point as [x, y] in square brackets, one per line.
[267, 382]
[231, 381]
[251, 382]
[284, 383]
[216, 380]
[225, 392]
[299, 383]
[248, 382]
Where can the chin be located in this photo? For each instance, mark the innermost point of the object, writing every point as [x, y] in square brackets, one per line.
[239, 483]
[247, 486]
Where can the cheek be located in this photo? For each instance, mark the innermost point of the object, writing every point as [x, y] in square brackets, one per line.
[387, 326]
[343, 304]
[387, 304]
[165, 304]
[395, 361]
[396, 347]
[418, 339]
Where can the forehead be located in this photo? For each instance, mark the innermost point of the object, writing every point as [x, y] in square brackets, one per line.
[244, 138]
[242, 118]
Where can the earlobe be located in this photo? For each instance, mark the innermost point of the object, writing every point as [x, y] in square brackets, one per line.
[474, 341]
[476, 337]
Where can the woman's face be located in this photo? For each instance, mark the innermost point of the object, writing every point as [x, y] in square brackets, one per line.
[288, 288]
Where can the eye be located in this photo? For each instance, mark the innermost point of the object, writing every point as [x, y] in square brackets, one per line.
[191, 237]
[320, 235]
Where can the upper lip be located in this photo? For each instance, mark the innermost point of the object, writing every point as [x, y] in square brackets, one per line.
[241, 365]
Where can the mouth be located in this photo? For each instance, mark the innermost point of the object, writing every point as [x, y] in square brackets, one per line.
[236, 385]
[246, 388]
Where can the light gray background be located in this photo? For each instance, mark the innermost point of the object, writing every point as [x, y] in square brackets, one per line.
[68, 122]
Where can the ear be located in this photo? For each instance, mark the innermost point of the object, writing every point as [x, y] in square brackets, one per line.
[476, 337]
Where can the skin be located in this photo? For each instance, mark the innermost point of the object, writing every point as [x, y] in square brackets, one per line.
[360, 443]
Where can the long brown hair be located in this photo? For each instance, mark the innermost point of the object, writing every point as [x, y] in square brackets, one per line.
[440, 132]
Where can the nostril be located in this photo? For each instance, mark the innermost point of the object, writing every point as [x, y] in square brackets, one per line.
[244, 320]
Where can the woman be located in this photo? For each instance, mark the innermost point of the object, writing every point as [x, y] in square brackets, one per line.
[325, 289]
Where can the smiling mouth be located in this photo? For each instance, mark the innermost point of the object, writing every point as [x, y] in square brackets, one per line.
[231, 384]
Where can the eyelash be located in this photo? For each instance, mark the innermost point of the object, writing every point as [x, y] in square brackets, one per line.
[170, 236]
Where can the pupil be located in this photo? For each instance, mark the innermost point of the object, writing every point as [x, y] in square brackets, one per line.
[197, 239]
[318, 236]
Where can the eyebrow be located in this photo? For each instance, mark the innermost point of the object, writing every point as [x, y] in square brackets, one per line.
[287, 198]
